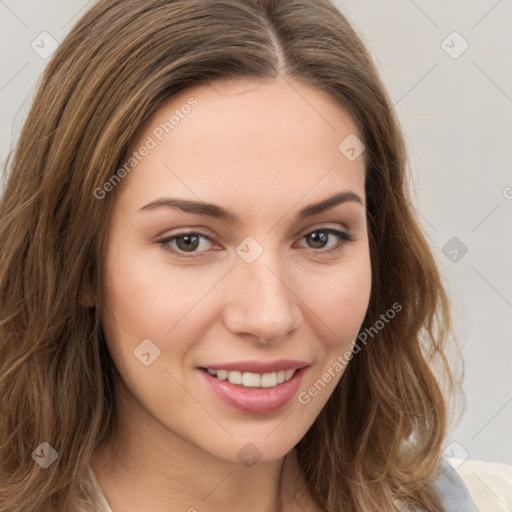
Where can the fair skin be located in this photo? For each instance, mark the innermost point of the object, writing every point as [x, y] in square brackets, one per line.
[263, 150]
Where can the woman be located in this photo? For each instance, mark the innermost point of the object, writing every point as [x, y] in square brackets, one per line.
[215, 293]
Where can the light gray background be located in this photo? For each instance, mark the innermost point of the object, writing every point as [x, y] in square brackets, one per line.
[456, 114]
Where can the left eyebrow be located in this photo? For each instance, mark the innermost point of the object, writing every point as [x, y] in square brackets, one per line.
[218, 212]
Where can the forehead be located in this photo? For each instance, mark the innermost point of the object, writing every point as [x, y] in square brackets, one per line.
[246, 139]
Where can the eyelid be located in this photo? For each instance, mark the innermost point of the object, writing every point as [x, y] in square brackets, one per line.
[323, 226]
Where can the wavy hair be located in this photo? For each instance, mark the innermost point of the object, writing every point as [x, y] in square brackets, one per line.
[378, 440]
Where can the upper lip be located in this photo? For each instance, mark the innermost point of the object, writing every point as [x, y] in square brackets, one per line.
[258, 366]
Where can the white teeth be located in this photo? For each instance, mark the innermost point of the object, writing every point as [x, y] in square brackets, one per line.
[269, 380]
[253, 380]
[235, 377]
[222, 374]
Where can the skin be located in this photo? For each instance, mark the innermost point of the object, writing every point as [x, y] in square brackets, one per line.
[264, 150]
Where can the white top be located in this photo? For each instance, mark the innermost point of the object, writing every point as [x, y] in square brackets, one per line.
[104, 504]
[464, 486]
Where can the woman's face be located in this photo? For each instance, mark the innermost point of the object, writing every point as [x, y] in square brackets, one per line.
[245, 279]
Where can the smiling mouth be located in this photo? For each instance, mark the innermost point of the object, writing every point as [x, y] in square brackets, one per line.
[252, 380]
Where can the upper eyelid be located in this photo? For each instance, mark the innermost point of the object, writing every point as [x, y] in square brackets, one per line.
[302, 232]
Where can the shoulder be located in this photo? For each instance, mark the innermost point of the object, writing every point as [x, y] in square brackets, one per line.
[488, 483]
[452, 491]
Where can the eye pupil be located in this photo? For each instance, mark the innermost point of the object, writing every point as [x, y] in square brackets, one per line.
[187, 245]
[315, 236]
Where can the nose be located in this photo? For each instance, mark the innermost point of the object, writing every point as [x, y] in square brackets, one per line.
[262, 302]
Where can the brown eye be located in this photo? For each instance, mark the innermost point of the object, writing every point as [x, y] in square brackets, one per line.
[319, 238]
[187, 242]
[184, 243]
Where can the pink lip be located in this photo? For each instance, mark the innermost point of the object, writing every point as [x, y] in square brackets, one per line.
[258, 367]
[255, 400]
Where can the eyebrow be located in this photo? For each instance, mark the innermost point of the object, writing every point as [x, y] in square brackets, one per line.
[218, 212]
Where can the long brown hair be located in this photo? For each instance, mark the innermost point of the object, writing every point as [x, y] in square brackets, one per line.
[379, 438]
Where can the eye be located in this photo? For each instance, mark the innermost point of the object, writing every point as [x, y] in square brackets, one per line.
[185, 244]
[320, 236]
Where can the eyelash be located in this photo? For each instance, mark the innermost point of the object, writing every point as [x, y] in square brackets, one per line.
[343, 239]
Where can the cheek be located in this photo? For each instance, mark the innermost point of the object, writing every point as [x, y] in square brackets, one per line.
[139, 291]
[147, 299]
[138, 308]
[339, 300]
[339, 308]
[129, 295]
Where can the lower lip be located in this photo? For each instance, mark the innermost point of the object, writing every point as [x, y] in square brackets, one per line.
[255, 400]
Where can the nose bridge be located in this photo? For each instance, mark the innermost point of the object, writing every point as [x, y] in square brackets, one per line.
[262, 302]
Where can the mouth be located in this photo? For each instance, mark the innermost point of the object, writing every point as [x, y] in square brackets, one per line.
[255, 392]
